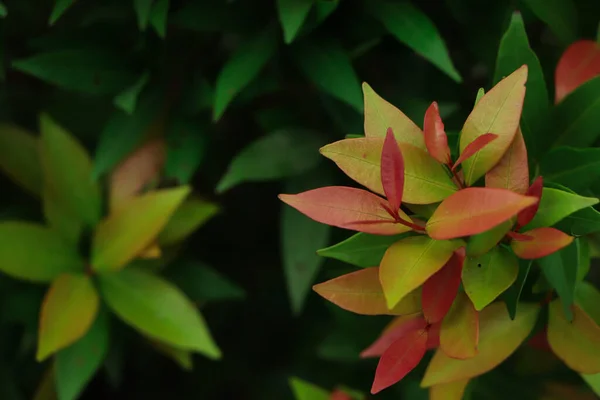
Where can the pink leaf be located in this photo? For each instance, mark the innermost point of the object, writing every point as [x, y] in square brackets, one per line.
[479, 143]
[393, 332]
[535, 190]
[577, 65]
[399, 359]
[440, 290]
[392, 171]
[435, 136]
[347, 208]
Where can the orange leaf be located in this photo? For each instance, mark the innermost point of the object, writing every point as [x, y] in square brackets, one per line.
[395, 330]
[535, 190]
[399, 359]
[498, 111]
[499, 338]
[576, 343]
[136, 171]
[425, 180]
[512, 171]
[392, 171]
[409, 262]
[381, 115]
[519, 236]
[476, 145]
[440, 290]
[360, 292]
[459, 333]
[436, 139]
[347, 208]
[449, 391]
[475, 210]
[545, 242]
[577, 65]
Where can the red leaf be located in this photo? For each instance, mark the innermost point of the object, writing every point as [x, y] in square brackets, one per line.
[347, 208]
[339, 395]
[433, 336]
[545, 241]
[440, 290]
[520, 237]
[399, 359]
[435, 136]
[577, 65]
[392, 171]
[399, 327]
[540, 341]
[474, 210]
[535, 190]
[479, 143]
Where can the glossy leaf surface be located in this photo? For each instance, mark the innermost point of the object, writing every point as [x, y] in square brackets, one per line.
[441, 288]
[512, 171]
[435, 135]
[545, 241]
[459, 332]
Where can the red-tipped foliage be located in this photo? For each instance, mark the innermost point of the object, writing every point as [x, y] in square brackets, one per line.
[435, 136]
[545, 241]
[433, 335]
[519, 237]
[394, 332]
[479, 143]
[399, 359]
[440, 290]
[535, 190]
[392, 171]
[578, 64]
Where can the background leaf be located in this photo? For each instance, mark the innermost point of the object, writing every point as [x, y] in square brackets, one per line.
[578, 168]
[60, 7]
[292, 14]
[560, 15]
[19, 158]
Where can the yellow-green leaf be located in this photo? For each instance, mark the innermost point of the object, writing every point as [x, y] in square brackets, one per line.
[498, 112]
[425, 180]
[459, 333]
[19, 158]
[35, 252]
[381, 115]
[483, 242]
[123, 235]
[588, 298]
[408, 263]
[68, 311]
[448, 391]
[158, 309]
[593, 381]
[576, 343]
[499, 338]
[72, 198]
[557, 204]
[307, 391]
[187, 218]
[488, 276]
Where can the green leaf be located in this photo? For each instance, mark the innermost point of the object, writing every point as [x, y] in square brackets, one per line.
[188, 217]
[414, 28]
[76, 365]
[513, 294]
[3, 10]
[123, 132]
[281, 154]
[158, 17]
[68, 311]
[585, 259]
[301, 238]
[578, 167]
[60, 7]
[121, 236]
[593, 381]
[142, 11]
[362, 249]
[157, 309]
[187, 143]
[242, 67]
[514, 51]
[292, 14]
[557, 204]
[580, 223]
[19, 158]
[576, 118]
[328, 66]
[587, 296]
[560, 269]
[202, 283]
[182, 357]
[90, 71]
[559, 15]
[307, 391]
[35, 253]
[481, 243]
[72, 199]
[487, 277]
[127, 99]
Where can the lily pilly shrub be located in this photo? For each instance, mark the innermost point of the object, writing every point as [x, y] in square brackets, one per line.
[465, 236]
[99, 256]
